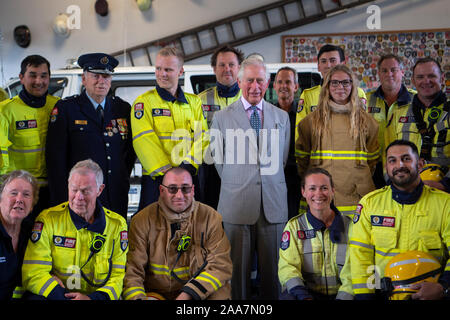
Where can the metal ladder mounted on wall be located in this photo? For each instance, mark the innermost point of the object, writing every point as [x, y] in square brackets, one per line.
[239, 29]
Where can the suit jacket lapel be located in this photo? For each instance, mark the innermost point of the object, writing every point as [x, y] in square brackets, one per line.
[240, 116]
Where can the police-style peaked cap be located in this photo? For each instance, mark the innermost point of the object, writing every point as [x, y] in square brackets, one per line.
[98, 63]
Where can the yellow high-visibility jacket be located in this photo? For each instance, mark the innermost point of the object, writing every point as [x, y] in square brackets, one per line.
[380, 111]
[403, 125]
[311, 259]
[60, 245]
[384, 227]
[166, 133]
[212, 102]
[23, 132]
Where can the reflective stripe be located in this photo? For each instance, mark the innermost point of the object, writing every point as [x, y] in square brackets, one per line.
[174, 138]
[164, 270]
[131, 292]
[343, 155]
[27, 151]
[361, 244]
[46, 285]
[291, 283]
[359, 286]
[308, 263]
[18, 292]
[41, 262]
[211, 279]
[301, 154]
[386, 254]
[142, 133]
[118, 266]
[155, 172]
[111, 289]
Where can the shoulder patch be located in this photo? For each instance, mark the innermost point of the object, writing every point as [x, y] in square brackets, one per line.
[139, 110]
[36, 231]
[124, 240]
[285, 240]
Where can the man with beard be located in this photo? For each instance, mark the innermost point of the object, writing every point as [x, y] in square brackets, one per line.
[178, 247]
[425, 121]
[406, 215]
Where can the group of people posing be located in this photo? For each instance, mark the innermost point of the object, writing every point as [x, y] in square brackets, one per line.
[290, 191]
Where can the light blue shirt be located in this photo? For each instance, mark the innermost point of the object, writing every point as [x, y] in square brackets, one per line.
[95, 104]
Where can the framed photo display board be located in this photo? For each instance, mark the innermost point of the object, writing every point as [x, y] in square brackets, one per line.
[364, 49]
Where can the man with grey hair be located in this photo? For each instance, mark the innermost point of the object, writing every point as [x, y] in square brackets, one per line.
[92, 125]
[253, 198]
[77, 250]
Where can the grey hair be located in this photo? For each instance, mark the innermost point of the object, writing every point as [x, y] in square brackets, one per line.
[253, 61]
[24, 175]
[84, 167]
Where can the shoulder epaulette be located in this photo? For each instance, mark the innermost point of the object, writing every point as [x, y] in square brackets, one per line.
[71, 97]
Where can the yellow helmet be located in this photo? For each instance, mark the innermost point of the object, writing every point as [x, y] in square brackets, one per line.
[406, 269]
[432, 171]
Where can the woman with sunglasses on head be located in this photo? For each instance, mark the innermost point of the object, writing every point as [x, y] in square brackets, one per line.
[340, 137]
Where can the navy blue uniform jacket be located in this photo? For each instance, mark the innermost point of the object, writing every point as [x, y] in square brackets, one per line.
[75, 133]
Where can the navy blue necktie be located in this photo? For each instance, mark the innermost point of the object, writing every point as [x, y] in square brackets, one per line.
[100, 113]
[255, 120]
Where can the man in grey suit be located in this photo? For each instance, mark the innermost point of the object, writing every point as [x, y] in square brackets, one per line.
[250, 145]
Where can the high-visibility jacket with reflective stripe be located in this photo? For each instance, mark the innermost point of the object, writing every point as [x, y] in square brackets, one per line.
[377, 108]
[58, 248]
[153, 254]
[167, 133]
[310, 259]
[402, 125]
[309, 99]
[385, 228]
[341, 156]
[23, 132]
[211, 102]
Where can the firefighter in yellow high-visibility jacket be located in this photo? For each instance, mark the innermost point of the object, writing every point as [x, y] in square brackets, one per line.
[168, 125]
[426, 120]
[381, 102]
[24, 123]
[406, 215]
[313, 248]
[77, 250]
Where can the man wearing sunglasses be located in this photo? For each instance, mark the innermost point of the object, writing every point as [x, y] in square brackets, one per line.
[178, 248]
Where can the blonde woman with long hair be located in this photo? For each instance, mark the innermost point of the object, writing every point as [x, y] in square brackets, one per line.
[341, 137]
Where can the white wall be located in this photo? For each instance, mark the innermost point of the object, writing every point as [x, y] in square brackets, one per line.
[395, 15]
[127, 26]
